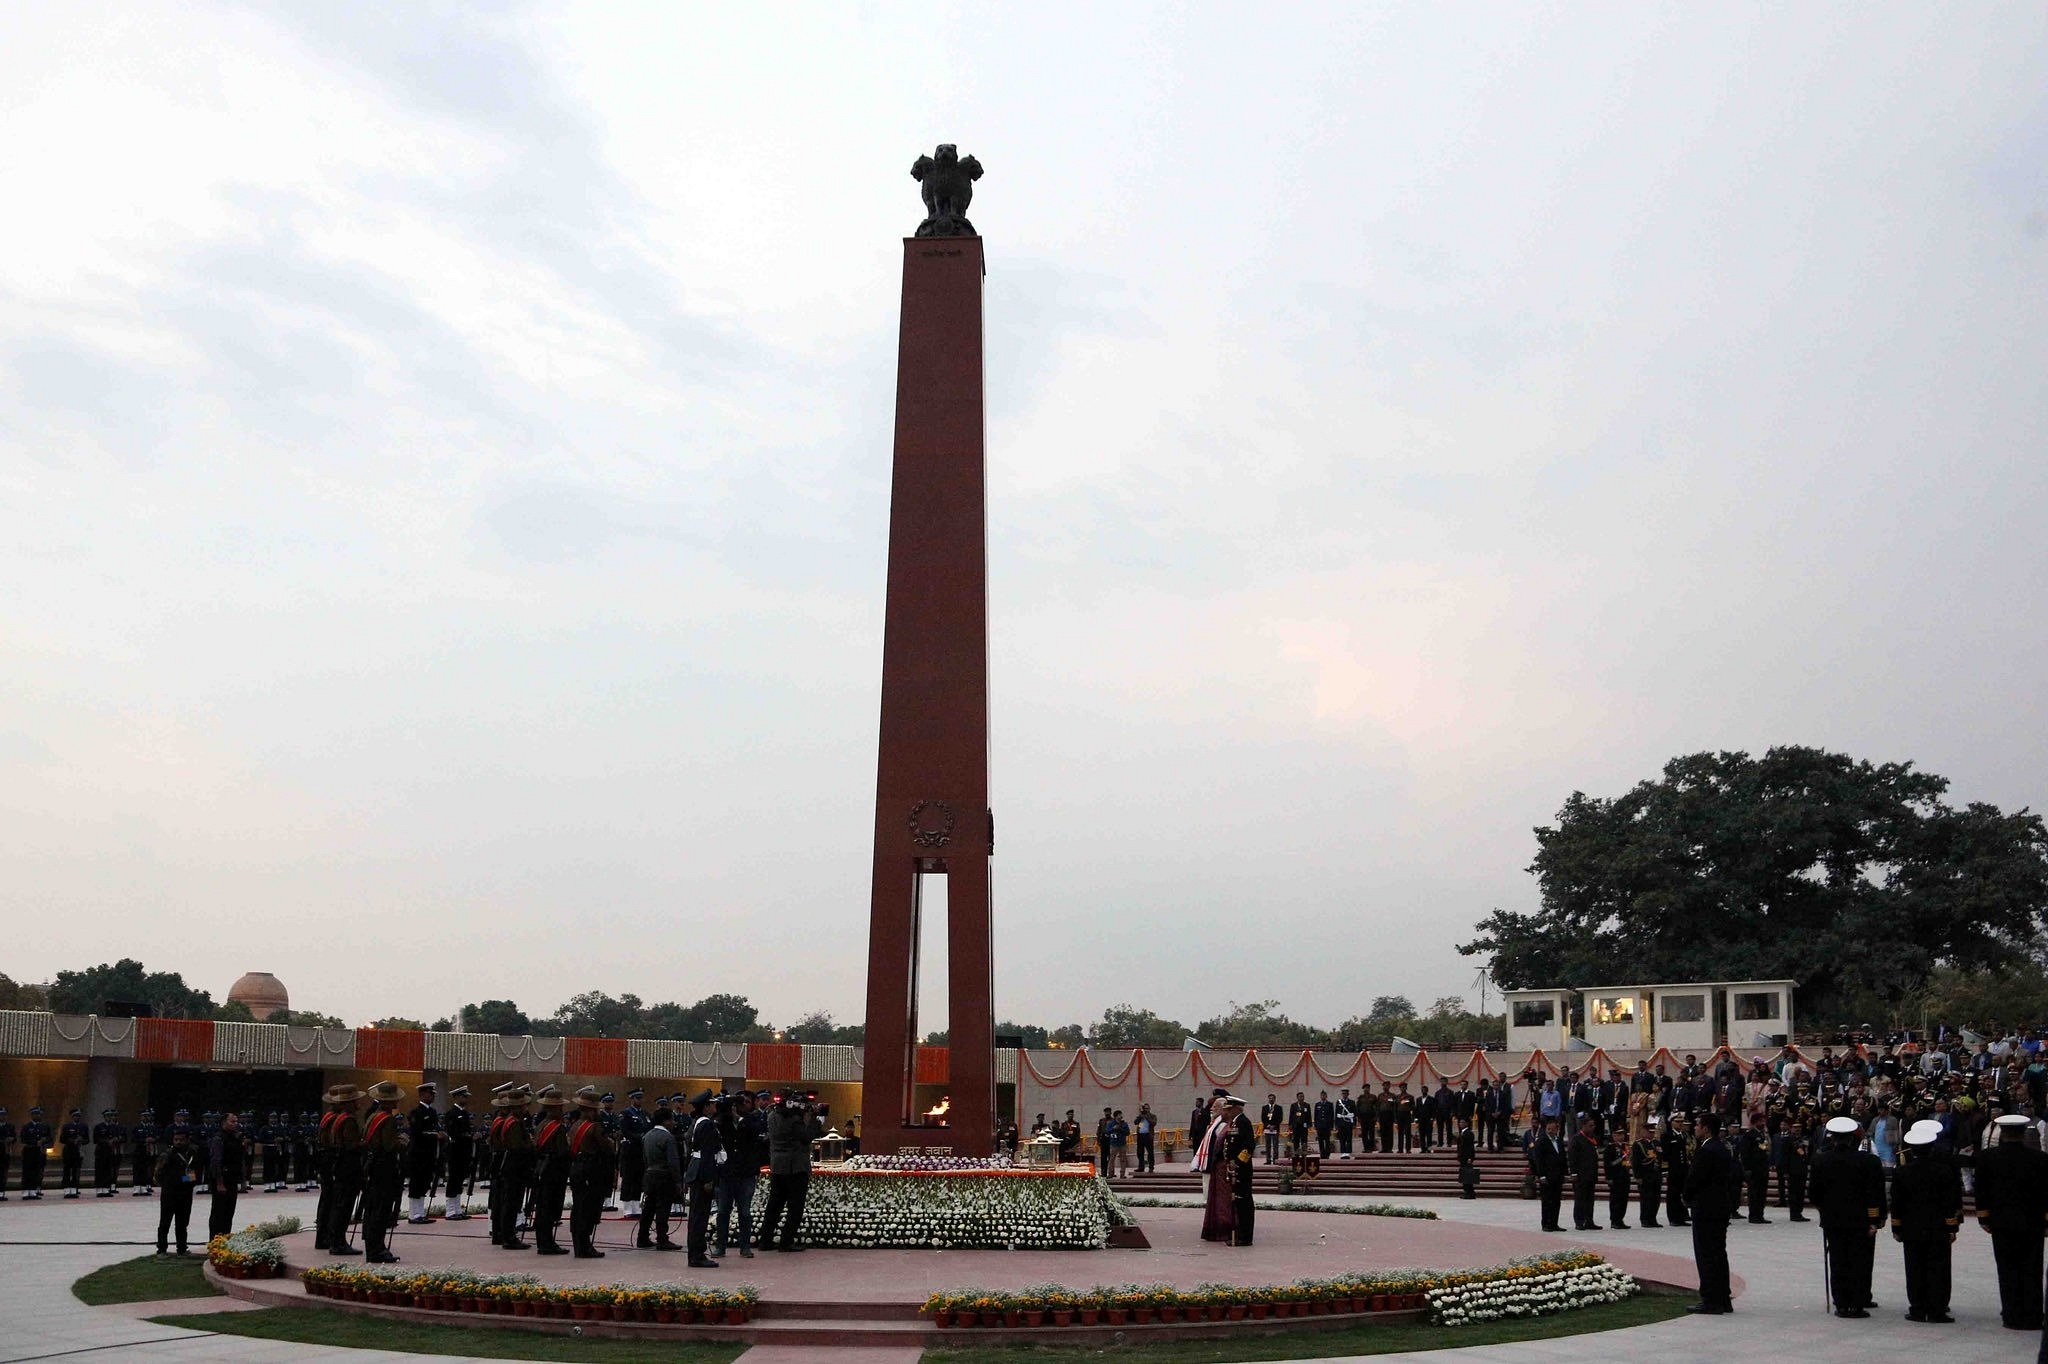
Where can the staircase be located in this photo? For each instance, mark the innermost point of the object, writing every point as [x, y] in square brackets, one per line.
[1386, 1177]
[1389, 1177]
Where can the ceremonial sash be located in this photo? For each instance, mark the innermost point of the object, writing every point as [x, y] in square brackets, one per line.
[547, 1131]
[576, 1138]
[376, 1122]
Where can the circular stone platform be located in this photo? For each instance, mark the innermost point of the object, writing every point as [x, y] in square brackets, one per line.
[850, 1297]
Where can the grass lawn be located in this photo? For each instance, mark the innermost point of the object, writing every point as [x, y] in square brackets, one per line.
[318, 1326]
[145, 1279]
[1640, 1310]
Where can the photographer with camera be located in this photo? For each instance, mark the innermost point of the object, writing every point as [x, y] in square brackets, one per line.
[790, 1121]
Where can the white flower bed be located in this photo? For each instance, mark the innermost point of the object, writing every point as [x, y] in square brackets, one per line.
[992, 1211]
[1538, 1295]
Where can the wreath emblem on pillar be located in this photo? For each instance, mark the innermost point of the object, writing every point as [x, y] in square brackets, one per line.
[931, 823]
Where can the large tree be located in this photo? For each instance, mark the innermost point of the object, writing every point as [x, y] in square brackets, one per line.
[127, 981]
[500, 1016]
[15, 996]
[818, 1029]
[1124, 1026]
[1259, 1024]
[1849, 877]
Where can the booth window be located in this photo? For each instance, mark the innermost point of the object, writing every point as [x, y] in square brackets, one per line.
[1682, 1008]
[1535, 1013]
[1608, 1011]
[1756, 1008]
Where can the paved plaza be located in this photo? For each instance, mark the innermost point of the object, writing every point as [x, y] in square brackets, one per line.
[43, 1248]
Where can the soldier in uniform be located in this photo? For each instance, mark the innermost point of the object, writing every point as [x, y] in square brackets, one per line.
[1795, 1159]
[1583, 1158]
[305, 1136]
[1389, 1110]
[277, 1152]
[707, 1153]
[747, 1151]
[202, 1138]
[35, 1154]
[551, 1170]
[384, 1149]
[491, 1151]
[341, 1181]
[1646, 1163]
[1927, 1210]
[248, 1121]
[8, 1136]
[1614, 1159]
[71, 1140]
[458, 1130]
[2012, 1205]
[1847, 1188]
[322, 1160]
[1238, 1146]
[1753, 1150]
[608, 1119]
[422, 1153]
[108, 1136]
[633, 1125]
[266, 1135]
[511, 1151]
[591, 1153]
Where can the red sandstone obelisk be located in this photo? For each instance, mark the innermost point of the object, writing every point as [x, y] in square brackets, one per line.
[931, 803]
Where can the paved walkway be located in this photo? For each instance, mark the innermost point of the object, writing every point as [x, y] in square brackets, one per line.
[1290, 1246]
[45, 1247]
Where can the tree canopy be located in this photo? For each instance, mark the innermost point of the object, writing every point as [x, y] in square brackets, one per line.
[16, 996]
[127, 981]
[1260, 1024]
[817, 1029]
[1852, 878]
[1124, 1026]
[595, 1013]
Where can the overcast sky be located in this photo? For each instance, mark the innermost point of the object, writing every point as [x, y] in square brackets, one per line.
[445, 462]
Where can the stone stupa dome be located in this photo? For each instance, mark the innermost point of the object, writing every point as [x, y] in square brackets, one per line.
[262, 992]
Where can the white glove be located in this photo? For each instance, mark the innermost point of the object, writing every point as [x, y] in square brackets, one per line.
[718, 1159]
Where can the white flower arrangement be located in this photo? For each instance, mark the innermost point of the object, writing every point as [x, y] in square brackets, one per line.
[969, 1209]
[927, 1164]
[1530, 1295]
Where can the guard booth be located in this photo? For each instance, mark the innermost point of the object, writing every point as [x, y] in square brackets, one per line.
[1538, 1020]
[1759, 1013]
[1682, 1017]
[1617, 1017]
